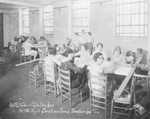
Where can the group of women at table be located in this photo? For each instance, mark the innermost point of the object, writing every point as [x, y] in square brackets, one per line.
[80, 57]
[31, 46]
[83, 61]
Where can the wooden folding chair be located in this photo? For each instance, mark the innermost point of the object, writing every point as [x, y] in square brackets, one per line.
[140, 90]
[99, 93]
[122, 105]
[65, 86]
[36, 77]
[50, 79]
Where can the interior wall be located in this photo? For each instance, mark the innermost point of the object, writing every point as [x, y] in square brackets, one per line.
[60, 25]
[11, 27]
[6, 29]
[101, 24]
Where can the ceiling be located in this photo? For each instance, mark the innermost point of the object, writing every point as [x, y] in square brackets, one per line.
[15, 4]
[7, 6]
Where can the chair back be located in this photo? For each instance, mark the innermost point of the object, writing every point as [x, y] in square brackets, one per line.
[140, 93]
[140, 87]
[13, 48]
[22, 53]
[49, 72]
[98, 84]
[98, 92]
[65, 82]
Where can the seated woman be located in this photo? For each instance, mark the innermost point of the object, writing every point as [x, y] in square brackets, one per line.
[139, 54]
[75, 40]
[28, 48]
[117, 58]
[57, 48]
[99, 48]
[129, 58]
[76, 74]
[43, 41]
[33, 40]
[67, 43]
[84, 55]
[72, 47]
[96, 69]
[23, 39]
[43, 47]
[49, 63]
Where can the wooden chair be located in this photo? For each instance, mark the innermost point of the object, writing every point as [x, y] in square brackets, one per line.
[99, 93]
[140, 90]
[18, 50]
[50, 79]
[65, 86]
[23, 57]
[122, 105]
[36, 77]
[13, 50]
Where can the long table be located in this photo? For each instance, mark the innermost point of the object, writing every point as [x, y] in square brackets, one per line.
[118, 93]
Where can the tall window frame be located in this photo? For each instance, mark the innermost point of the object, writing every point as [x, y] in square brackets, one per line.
[25, 20]
[131, 18]
[48, 26]
[80, 16]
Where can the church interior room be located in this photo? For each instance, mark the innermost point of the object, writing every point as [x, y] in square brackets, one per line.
[74, 59]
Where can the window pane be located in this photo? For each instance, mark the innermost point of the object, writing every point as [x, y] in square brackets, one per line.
[25, 11]
[135, 19]
[135, 29]
[48, 19]
[127, 8]
[131, 18]
[127, 19]
[46, 16]
[26, 23]
[48, 8]
[25, 20]
[126, 29]
[80, 15]
[135, 8]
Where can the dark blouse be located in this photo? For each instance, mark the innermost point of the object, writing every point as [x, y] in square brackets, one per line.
[76, 74]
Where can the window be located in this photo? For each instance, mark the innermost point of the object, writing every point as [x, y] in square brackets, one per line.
[131, 18]
[48, 19]
[80, 16]
[25, 19]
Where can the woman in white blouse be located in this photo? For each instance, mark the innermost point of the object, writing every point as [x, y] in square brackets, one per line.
[97, 69]
[118, 58]
[28, 48]
[84, 55]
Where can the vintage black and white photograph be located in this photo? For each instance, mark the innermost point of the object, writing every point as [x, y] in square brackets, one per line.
[74, 59]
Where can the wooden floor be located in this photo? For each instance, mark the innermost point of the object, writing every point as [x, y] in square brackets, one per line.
[19, 100]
